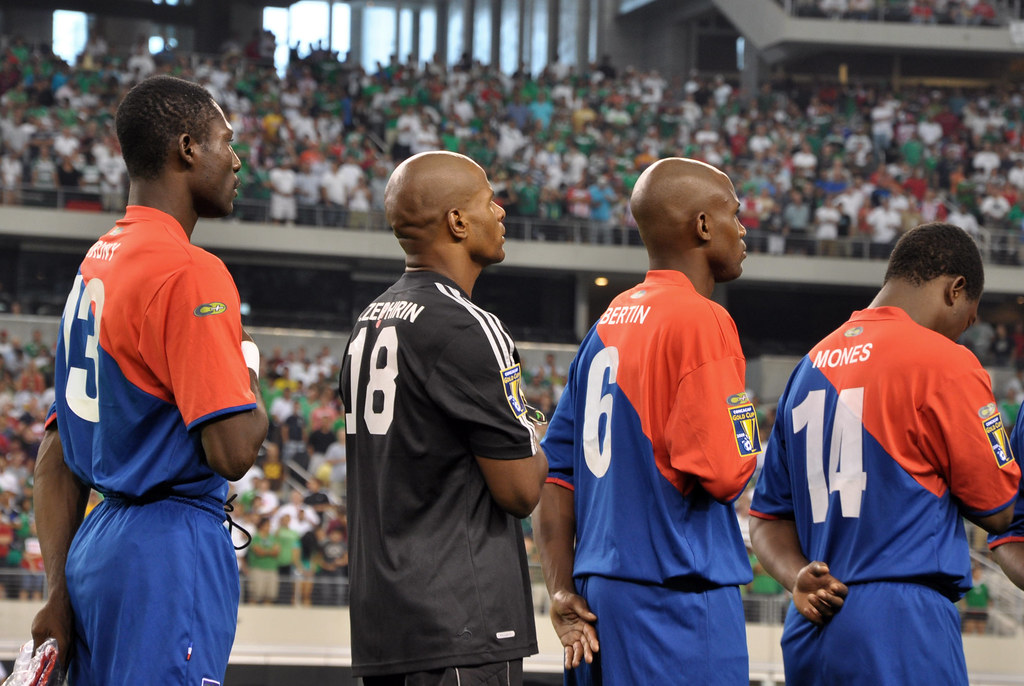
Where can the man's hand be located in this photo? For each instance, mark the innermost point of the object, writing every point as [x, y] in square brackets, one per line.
[817, 594]
[55, 620]
[574, 624]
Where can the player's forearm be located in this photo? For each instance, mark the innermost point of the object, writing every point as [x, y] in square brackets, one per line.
[1010, 557]
[554, 531]
[59, 502]
[232, 443]
[777, 547]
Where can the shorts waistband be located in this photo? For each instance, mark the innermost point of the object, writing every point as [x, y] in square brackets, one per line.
[207, 504]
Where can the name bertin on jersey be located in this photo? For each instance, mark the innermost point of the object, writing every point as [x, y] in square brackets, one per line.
[399, 309]
[630, 314]
[103, 251]
[841, 356]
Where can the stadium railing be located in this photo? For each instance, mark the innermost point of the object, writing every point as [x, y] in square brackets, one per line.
[997, 245]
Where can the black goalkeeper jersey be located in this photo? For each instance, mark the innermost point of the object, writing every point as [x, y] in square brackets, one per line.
[438, 570]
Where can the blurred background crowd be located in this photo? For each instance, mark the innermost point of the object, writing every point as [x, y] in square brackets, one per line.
[824, 169]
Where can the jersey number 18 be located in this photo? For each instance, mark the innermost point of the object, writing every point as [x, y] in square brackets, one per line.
[379, 411]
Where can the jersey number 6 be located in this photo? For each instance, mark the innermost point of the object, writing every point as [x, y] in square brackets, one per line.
[598, 453]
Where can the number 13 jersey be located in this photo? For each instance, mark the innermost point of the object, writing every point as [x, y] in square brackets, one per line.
[655, 436]
[885, 432]
[149, 350]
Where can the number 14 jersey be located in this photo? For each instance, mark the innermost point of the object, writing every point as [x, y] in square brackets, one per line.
[886, 431]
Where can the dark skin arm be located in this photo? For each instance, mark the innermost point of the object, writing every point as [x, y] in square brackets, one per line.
[817, 594]
[995, 523]
[1010, 557]
[59, 504]
[555, 534]
[515, 484]
[232, 443]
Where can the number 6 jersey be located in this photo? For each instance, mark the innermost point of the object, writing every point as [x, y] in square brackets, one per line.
[885, 433]
[655, 436]
[438, 570]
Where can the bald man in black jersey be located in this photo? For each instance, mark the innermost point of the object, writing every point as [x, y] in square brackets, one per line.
[443, 459]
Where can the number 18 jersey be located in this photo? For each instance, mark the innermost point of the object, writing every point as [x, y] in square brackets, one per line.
[885, 433]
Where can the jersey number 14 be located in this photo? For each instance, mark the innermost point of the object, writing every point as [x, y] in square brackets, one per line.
[846, 475]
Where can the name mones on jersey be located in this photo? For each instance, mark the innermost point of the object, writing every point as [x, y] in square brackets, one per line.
[628, 314]
[399, 309]
[840, 356]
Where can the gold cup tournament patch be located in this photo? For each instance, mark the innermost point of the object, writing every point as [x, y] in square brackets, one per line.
[993, 423]
[512, 378]
[744, 423]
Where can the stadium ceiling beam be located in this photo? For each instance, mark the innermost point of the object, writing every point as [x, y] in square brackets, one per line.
[129, 9]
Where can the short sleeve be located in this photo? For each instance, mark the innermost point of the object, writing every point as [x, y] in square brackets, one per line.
[1015, 532]
[712, 430]
[972, 449]
[478, 382]
[191, 339]
[559, 438]
[773, 494]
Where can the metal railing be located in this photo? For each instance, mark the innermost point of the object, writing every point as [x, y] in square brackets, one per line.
[997, 245]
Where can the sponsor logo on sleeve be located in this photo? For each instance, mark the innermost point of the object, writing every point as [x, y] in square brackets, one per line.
[855, 331]
[210, 682]
[996, 432]
[207, 309]
[744, 424]
[512, 380]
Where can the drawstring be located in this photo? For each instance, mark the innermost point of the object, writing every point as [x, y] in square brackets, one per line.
[228, 509]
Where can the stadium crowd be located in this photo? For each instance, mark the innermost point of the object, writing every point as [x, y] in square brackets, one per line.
[961, 12]
[820, 168]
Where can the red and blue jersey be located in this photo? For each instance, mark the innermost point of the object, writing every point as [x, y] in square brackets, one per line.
[885, 434]
[149, 349]
[1015, 532]
[656, 437]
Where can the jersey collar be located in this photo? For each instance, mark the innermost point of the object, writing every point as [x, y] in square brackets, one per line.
[142, 213]
[668, 277]
[881, 313]
[422, 278]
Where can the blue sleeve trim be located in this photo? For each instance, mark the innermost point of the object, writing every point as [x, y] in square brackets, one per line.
[986, 513]
[221, 413]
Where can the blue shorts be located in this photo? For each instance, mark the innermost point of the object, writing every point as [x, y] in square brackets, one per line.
[656, 635]
[886, 634]
[154, 588]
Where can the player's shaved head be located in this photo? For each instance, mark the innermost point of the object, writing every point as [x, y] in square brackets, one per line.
[423, 190]
[669, 196]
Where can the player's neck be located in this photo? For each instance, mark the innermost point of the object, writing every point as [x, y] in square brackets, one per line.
[161, 197]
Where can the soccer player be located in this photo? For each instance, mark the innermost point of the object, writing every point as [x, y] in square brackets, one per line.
[885, 435]
[1008, 547]
[442, 459]
[652, 440]
[155, 409]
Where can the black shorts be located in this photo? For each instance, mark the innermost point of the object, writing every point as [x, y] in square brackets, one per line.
[508, 673]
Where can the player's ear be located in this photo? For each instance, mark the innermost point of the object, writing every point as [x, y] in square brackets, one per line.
[185, 148]
[701, 227]
[457, 225]
[955, 290]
